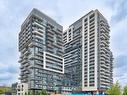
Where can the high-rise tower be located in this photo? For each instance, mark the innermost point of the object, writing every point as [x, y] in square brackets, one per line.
[41, 48]
[87, 56]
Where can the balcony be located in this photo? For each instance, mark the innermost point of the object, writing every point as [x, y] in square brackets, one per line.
[38, 24]
[38, 33]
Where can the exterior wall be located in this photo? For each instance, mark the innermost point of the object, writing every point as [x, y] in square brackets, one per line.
[72, 57]
[14, 88]
[41, 48]
[22, 88]
[105, 56]
[90, 52]
[94, 56]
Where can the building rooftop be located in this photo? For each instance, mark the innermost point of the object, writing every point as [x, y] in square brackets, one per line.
[40, 14]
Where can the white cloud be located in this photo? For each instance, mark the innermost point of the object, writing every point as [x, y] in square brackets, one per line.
[8, 74]
[118, 38]
[73, 11]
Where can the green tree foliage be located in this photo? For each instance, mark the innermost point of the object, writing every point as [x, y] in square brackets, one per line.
[43, 92]
[30, 93]
[25, 93]
[114, 90]
[3, 90]
[125, 90]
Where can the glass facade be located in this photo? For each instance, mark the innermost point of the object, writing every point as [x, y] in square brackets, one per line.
[40, 45]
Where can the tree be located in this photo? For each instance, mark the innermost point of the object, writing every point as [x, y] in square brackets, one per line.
[3, 90]
[29, 93]
[25, 93]
[125, 90]
[43, 92]
[114, 90]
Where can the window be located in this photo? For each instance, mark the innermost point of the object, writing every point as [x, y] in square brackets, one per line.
[55, 38]
[91, 16]
[55, 50]
[85, 20]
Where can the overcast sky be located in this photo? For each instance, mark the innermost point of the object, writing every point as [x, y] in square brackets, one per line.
[65, 12]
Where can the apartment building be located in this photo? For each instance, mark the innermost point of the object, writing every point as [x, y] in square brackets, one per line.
[22, 88]
[78, 59]
[87, 56]
[41, 52]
